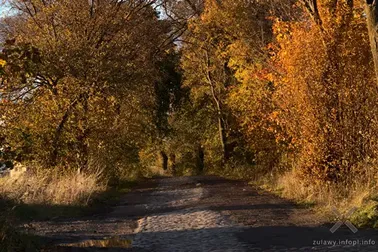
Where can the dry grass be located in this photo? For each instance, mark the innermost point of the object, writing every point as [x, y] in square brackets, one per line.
[343, 195]
[50, 187]
[358, 193]
[45, 192]
[112, 242]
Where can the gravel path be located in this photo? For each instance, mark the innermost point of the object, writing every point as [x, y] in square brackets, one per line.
[190, 229]
[206, 213]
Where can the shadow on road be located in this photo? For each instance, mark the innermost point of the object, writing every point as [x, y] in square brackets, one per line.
[261, 222]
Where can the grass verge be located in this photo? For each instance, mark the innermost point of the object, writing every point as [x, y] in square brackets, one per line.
[42, 194]
[358, 196]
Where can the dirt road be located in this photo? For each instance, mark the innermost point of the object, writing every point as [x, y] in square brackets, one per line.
[205, 213]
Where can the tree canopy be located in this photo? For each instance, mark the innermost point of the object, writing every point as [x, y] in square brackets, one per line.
[206, 85]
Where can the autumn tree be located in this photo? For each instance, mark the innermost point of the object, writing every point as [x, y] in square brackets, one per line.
[206, 71]
[325, 91]
[224, 49]
[250, 100]
[79, 79]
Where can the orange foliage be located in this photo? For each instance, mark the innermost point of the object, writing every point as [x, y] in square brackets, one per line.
[326, 95]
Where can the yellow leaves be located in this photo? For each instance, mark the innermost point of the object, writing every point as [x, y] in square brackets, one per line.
[282, 30]
[2, 63]
[274, 115]
[322, 90]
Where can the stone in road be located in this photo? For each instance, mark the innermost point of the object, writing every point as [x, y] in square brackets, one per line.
[208, 213]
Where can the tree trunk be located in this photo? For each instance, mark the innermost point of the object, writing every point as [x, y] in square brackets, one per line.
[223, 137]
[58, 133]
[172, 158]
[200, 159]
[221, 124]
[59, 130]
[371, 11]
[83, 138]
[164, 159]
